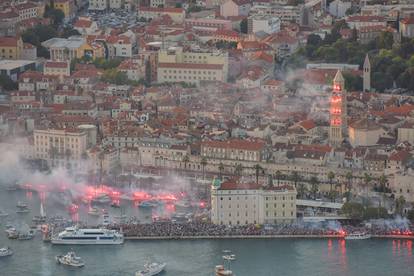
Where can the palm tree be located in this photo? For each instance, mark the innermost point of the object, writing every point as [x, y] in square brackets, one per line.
[68, 154]
[382, 181]
[278, 175]
[331, 177]
[399, 205]
[203, 165]
[238, 169]
[257, 169]
[295, 177]
[186, 159]
[349, 177]
[301, 190]
[314, 186]
[221, 169]
[367, 180]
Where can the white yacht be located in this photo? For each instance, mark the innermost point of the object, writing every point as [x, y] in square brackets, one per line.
[151, 269]
[102, 199]
[358, 236]
[230, 257]
[74, 235]
[70, 259]
[5, 251]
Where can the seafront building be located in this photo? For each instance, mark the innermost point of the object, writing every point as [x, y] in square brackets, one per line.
[235, 202]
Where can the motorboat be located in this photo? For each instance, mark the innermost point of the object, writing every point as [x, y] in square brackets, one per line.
[183, 204]
[147, 204]
[94, 211]
[12, 233]
[5, 251]
[25, 236]
[115, 205]
[21, 204]
[358, 236]
[221, 271]
[75, 235]
[70, 259]
[151, 269]
[230, 257]
[102, 199]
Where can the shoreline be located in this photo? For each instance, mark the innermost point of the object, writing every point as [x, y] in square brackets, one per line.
[136, 238]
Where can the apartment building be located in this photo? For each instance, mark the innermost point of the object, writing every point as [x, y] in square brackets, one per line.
[263, 23]
[57, 68]
[243, 150]
[149, 13]
[286, 14]
[26, 10]
[194, 65]
[60, 147]
[236, 203]
[11, 47]
[208, 24]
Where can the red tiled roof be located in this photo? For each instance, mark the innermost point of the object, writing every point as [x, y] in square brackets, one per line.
[307, 124]
[83, 23]
[236, 144]
[236, 185]
[365, 18]
[8, 41]
[56, 64]
[167, 10]
[400, 156]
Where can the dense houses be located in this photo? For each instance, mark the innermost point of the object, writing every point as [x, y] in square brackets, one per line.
[198, 91]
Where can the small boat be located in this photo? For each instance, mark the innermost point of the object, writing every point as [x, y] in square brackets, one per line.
[358, 236]
[5, 251]
[12, 233]
[231, 257]
[183, 204]
[115, 205]
[151, 269]
[221, 271]
[102, 199]
[21, 204]
[3, 214]
[147, 204]
[70, 259]
[22, 210]
[12, 187]
[94, 211]
[39, 219]
[25, 236]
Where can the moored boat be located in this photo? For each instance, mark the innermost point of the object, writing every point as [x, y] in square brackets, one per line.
[93, 211]
[70, 259]
[75, 235]
[5, 251]
[151, 269]
[358, 236]
[221, 271]
[3, 214]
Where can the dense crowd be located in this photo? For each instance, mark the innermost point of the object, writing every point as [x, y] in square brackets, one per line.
[197, 229]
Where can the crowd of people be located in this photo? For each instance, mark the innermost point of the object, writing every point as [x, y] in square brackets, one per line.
[197, 229]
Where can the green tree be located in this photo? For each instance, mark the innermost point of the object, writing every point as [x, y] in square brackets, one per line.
[367, 181]
[55, 15]
[203, 166]
[331, 177]
[301, 190]
[353, 210]
[295, 177]
[349, 178]
[238, 169]
[258, 169]
[314, 182]
[278, 176]
[243, 26]
[185, 160]
[68, 32]
[148, 73]
[399, 205]
[221, 169]
[7, 83]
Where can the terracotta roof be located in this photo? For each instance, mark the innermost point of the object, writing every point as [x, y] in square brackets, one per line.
[83, 23]
[191, 66]
[307, 124]
[8, 41]
[56, 64]
[236, 185]
[365, 18]
[409, 20]
[400, 156]
[166, 10]
[236, 144]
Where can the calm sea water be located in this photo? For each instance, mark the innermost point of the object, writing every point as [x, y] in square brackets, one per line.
[198, 257]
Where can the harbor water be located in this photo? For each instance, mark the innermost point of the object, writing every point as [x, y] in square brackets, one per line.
[198, 257]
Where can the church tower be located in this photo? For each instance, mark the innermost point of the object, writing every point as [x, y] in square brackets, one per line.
[338, 111]
[367, 75]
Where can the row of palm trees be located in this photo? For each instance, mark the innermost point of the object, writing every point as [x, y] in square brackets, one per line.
[298, 180]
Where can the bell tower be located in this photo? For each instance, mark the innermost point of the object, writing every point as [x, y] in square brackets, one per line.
[367, 75]
[338, 111]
